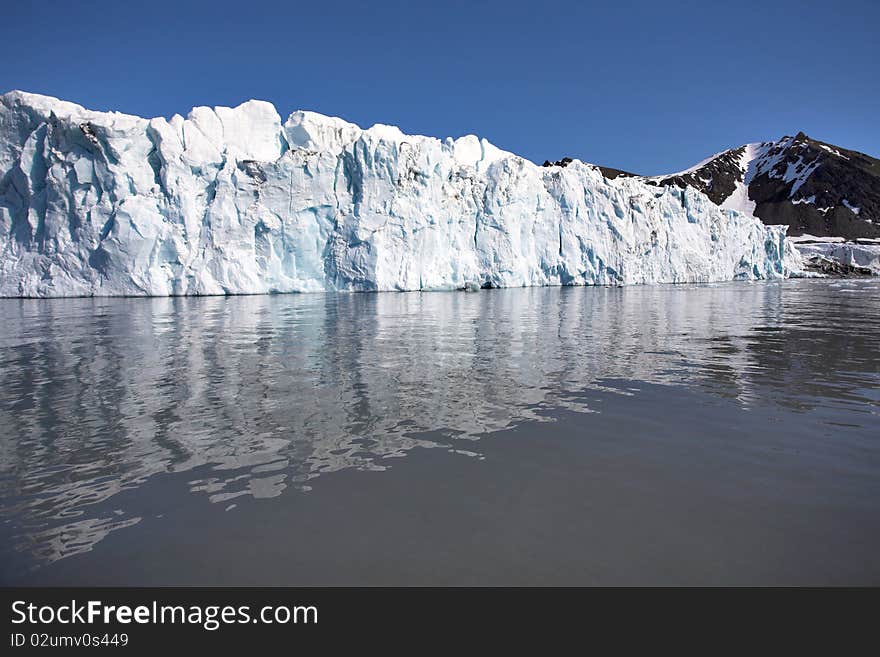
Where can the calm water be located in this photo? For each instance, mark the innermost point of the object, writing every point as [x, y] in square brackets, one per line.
[660, 435]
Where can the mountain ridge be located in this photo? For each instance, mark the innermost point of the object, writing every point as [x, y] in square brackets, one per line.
[813, 187]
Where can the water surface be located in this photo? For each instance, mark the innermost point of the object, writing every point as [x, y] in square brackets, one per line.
[661, 434]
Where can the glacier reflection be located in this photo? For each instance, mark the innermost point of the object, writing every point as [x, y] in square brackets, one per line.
[270, 392]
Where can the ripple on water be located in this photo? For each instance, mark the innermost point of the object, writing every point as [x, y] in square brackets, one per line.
[97, 396]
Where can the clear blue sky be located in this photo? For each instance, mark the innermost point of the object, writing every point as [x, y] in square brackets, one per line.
[645, 86]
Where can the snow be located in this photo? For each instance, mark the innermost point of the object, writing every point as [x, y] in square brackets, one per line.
[770, 154]
[862, 255]
[235, 201]
[798, 172]
[833, 151]
[739, 199]
[752, 154]
[852, 208]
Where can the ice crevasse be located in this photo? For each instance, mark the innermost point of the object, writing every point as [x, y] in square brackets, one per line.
[233, 201]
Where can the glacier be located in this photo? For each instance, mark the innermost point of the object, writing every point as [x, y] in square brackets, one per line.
[235, 201]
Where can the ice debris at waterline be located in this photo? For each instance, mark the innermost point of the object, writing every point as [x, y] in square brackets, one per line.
[233, 201]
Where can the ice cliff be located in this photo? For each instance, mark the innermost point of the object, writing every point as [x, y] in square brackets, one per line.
[234, 201]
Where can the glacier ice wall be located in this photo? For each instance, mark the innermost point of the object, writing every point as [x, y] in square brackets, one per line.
[233, 201]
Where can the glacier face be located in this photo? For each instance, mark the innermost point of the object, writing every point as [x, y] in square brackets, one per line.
[233, 201]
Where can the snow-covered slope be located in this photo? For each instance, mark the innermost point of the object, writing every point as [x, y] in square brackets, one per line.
[233, 200]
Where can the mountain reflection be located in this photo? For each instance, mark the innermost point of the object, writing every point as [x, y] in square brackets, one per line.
[99, 395]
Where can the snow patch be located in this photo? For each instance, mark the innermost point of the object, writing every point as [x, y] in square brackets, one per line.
[798, 172]
[833, 151]
[852, 208]
[739, 199]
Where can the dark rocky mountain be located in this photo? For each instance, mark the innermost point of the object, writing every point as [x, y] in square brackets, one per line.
[814, 187]
[718, 177]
